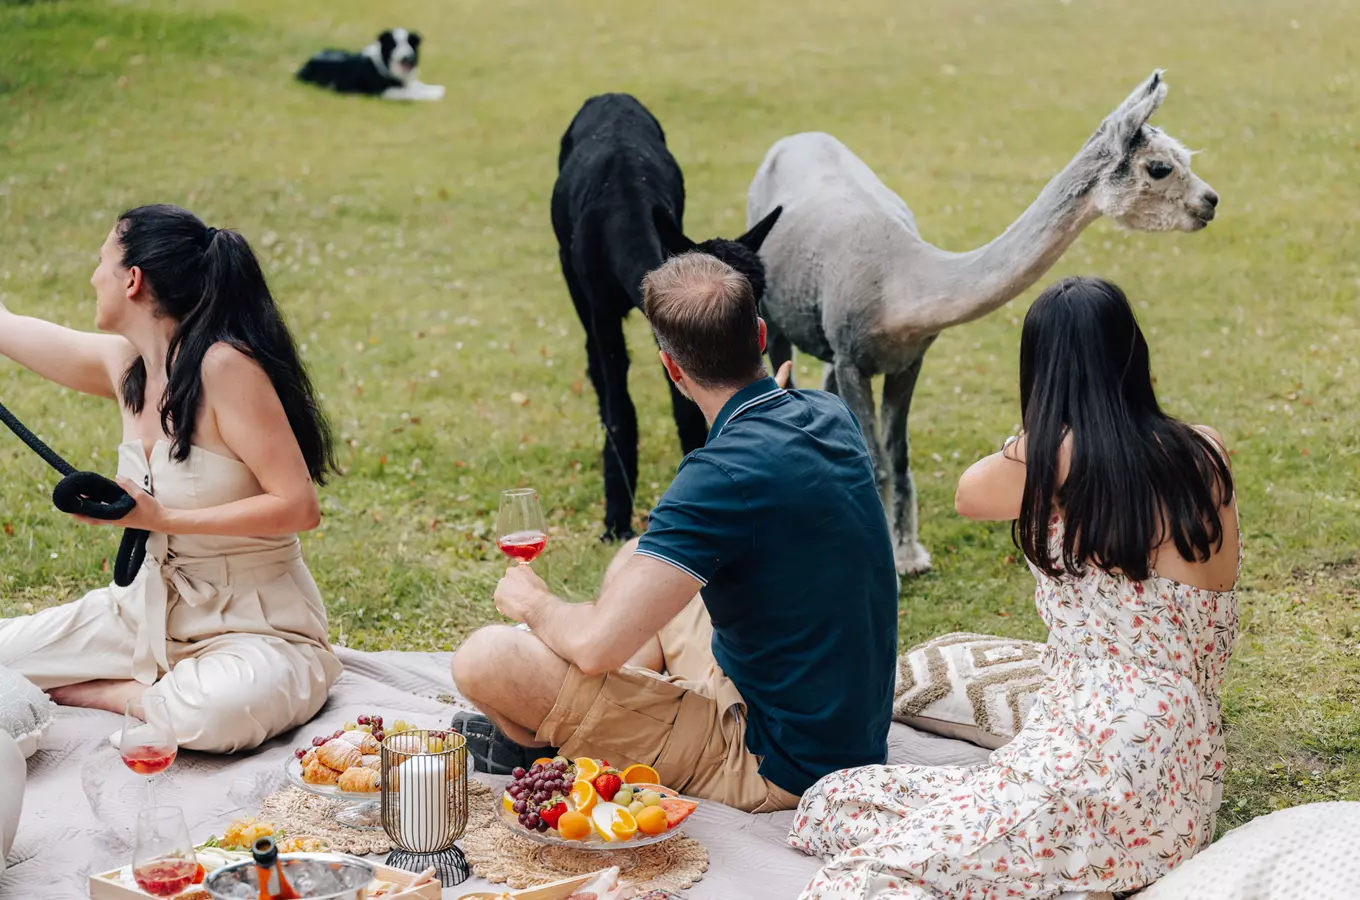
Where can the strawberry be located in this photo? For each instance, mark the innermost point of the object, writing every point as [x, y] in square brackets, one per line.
[551, 814]
[607, 785]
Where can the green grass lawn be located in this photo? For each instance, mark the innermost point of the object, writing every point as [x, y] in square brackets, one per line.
[411, 248]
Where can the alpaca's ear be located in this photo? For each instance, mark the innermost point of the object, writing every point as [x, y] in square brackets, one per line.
[752, 239]
[1128, 120]
[672, 238]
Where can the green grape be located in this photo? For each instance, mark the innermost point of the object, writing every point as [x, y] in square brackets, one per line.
[636, 807]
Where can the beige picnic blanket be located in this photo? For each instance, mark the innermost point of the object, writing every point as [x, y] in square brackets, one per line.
[80, 800]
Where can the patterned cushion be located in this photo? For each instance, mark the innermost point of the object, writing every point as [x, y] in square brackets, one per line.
[971, 687]
[25, 711]
[1304, 852]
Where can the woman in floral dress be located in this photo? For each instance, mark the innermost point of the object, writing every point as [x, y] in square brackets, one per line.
[1128, 520]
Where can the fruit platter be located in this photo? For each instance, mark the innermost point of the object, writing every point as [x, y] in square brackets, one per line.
[346, 765]
[587, 804]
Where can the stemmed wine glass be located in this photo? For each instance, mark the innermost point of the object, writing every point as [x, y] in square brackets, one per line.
[148, 744]
[521, 531]
[163, 861]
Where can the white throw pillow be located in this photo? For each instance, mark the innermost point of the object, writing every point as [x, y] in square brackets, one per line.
[25, 711]
[1304, 852]
[971, 687]
[13, 774]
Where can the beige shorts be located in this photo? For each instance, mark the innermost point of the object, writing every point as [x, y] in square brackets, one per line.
[689, 725]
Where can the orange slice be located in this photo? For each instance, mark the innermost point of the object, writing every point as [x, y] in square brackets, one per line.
[584, 797]
[574, 826]
[508, 802]
[586, 769]
[640, 775]
[624, 826]
[542, 761]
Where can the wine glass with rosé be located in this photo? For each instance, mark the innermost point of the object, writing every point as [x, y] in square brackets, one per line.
[148, 745]
[163, 861]
[521, 531]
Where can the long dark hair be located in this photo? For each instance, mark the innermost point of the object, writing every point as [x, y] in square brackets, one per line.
[210, 283]
[1137, 477]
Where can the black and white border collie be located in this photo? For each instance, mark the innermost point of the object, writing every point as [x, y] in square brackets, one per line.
[385, 68]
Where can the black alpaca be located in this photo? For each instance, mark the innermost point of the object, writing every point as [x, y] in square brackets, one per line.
[617, 209]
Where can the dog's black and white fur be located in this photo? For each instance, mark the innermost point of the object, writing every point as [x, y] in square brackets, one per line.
[385, 68]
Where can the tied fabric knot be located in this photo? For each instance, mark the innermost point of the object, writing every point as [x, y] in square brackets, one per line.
[195, 581]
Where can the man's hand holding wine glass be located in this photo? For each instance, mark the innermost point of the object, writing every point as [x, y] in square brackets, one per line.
[519, 592]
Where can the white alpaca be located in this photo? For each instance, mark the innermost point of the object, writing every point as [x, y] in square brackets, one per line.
[850, 281]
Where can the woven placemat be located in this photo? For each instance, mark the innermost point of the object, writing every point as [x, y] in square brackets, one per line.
[300, 813]
[502, 857]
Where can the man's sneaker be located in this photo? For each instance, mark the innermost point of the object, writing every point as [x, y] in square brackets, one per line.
[491, 751]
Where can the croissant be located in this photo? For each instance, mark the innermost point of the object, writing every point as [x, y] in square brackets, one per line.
[371, 761]
[311, 755]
[317, 772]
[366, 742]
[359, 780]
[339, 754]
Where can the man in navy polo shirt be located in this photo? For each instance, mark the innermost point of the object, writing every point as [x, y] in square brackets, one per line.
[781, 670]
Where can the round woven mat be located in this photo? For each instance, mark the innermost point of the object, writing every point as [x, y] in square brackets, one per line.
[299, 813]
[502, 857]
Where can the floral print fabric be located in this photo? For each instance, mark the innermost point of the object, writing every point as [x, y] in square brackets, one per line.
[1113, 781]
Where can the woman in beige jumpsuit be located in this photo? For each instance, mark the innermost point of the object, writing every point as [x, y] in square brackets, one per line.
[223, 450]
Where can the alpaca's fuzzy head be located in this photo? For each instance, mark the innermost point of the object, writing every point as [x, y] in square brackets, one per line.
[742, 254]
[1142, 175]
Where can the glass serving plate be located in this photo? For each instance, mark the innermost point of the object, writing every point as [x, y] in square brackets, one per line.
[362, 810]
[611, 853]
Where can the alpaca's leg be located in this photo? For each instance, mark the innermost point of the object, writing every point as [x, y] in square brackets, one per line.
[780, 349]
[829, 379]
[910, 556]
[608, 360]
[689, 419]
[602, 335]
[857, 391]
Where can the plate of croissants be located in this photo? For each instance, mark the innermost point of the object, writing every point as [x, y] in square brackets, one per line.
[347, 765]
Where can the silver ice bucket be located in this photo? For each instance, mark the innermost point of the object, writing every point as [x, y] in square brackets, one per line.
[316, 876]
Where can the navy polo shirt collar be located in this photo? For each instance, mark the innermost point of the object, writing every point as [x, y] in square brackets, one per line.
[757, 392]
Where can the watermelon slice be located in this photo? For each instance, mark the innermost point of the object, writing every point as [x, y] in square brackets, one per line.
[677, 810]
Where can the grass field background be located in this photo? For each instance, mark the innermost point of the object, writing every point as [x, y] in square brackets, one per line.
[411, 248]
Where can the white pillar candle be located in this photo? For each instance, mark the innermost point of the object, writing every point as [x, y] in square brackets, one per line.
[423, 803]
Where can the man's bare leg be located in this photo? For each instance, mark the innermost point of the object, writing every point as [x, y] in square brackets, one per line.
[512, 677]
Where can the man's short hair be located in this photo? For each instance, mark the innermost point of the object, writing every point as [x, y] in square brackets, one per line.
[704, 315]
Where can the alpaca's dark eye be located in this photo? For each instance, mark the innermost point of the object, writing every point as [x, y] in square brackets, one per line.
[1159, 170]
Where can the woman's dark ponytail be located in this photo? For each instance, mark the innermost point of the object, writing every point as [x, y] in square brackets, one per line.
[210, 282]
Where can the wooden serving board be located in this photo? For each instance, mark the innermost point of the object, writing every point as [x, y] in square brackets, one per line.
[108, 886]
[557, 890]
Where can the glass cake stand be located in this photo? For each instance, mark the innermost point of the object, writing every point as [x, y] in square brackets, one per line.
[362, 811]
[610, 853]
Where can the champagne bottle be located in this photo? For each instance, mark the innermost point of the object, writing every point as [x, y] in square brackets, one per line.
[273, 886]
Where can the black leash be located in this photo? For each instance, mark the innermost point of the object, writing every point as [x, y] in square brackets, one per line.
[91, 495]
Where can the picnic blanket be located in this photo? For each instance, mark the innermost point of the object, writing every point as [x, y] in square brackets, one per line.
[81, 802]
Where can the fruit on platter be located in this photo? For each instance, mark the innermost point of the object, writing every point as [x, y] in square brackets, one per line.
[652, 820]
[584, 798]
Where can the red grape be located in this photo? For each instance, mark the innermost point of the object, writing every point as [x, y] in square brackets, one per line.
[519, 773]
[362, 720]
[378, 735]
[318, 741]
[376, 720]
[299, 753]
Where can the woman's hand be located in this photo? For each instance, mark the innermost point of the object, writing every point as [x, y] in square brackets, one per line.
[147, 515]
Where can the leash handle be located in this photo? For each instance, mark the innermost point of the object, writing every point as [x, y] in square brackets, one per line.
[91, 495]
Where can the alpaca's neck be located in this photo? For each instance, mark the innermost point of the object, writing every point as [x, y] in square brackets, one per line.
[961, 287]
